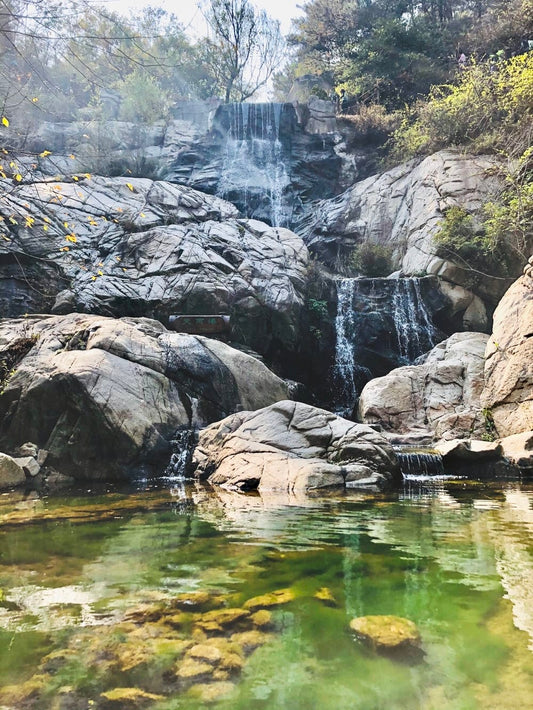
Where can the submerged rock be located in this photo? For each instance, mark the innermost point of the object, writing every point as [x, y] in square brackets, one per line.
[440, 396]
[105, 396]
[133, 697]
[292, 446]
[387, 634]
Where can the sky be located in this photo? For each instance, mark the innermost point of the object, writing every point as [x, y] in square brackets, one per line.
[190, 16]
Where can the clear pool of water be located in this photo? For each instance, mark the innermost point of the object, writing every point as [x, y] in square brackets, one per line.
[89, 583]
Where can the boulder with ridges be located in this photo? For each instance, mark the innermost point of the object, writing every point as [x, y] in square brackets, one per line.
[440, 396]
[508, 391]
[105, 396]
[290, 446]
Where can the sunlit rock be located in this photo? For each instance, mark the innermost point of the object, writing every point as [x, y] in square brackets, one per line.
[440, 396]
[508, 391]
[294, 447]
[387, 634]
[105, 396]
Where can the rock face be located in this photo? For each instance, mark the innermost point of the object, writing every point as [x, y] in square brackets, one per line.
[508, 391]
[402, 208]
[441, 396]
[11, 473]
[123, 247]
[290, 446]
[105, 397]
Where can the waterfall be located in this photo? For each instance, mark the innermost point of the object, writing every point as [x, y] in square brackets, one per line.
[182, 449]
[380, 324]
[414, 329]
[417, 461]
[347, 372]
[255, 168]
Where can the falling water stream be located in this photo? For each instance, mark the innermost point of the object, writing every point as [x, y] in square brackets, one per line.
[255, 170]
[396, 301]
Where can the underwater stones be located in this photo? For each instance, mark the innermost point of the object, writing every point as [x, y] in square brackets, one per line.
[211, 692]
[197, 601]
[387, 634]
[293, 447]
[261, 618]
[106, 396]
[325, 595]
[133, 697]
[218, 620]
[250, 640]
[11, 473]
[270, 599]
[190, 669]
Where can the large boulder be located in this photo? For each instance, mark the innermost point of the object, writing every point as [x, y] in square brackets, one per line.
[440, 396]
[508, 392]
[120, 247]
[293, 447]
[402, 208]
[105, 397]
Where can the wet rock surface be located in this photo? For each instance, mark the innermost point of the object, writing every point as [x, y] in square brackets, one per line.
[402, 208]
[293, 447]
[105, 397]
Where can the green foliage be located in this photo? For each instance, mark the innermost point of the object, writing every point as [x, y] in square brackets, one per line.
[318, 306]
[490, 433]
[372, 260]
[490, 108]
[143, 98]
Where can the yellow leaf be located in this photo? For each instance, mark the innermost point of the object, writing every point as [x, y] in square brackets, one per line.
[35, 99]
[119, 209]
[72, 157]
[93, 278]
[75, 178]
[130, 186]
[45, 227]
[5, 121]
[123, 269]
[118, 258]
[45, 153]
[46, 219]
[100, 272]
[18, 177]
[142, 214]
[88, 176]
[5, 238]
[12, 164]
[64, 249]
[65, 224]
[71, 238]
[100, 263]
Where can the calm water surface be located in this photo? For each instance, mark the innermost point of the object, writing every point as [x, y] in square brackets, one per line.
[88, 581]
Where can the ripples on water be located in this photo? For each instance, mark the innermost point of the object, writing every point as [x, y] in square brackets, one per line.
[453, 557]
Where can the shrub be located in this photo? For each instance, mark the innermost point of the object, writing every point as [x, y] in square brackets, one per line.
[372, 259]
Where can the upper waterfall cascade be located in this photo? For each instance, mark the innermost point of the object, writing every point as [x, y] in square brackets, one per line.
[256, 166]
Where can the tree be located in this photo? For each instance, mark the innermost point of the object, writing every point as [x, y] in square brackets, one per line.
[244, 49]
